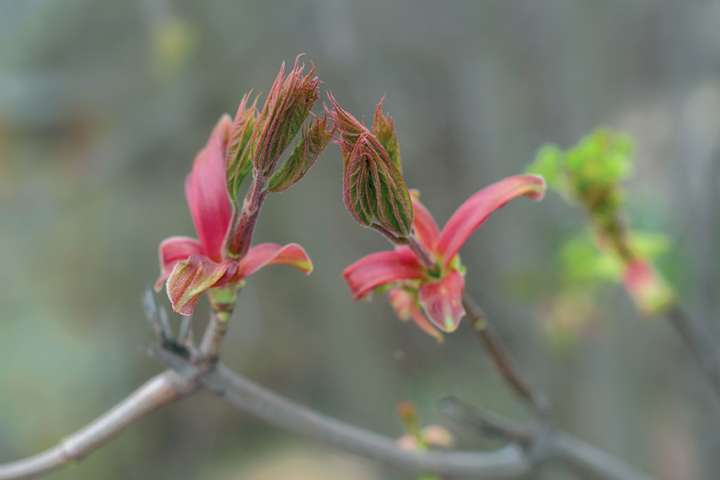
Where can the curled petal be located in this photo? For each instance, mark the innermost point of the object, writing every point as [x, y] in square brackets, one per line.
[478, 208]
[191, 278]
[173, 250]
[424, 224]
[207, 193]
[442, 301]
[406, 307]
[264, 254]
[381, 268]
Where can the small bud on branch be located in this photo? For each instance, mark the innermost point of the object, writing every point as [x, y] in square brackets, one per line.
[374, 191]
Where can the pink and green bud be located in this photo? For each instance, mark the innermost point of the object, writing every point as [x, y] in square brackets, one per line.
[315, 138]
[374, 191]
[285, 109]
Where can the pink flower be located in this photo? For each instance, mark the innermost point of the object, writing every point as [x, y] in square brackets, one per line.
[192, 266]
[438, 289]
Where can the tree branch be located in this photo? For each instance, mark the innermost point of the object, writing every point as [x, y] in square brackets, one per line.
[283, 413]
[478, 320]
[541, 442]
[244, 395]
[157, 392]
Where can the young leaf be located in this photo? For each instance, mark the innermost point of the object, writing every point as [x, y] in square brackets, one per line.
[384, 129]
[240, 149]
[374, 191]
[285, 109]
[314, 140]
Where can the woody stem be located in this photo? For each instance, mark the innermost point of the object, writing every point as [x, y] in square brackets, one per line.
[500, 357]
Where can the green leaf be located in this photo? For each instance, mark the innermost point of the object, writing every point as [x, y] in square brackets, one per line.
[314, 140]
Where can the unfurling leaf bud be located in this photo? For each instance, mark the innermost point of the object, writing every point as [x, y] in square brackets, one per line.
[384, 129]
[240, 149]
[374, 191]
[285, 109]
[315, 138]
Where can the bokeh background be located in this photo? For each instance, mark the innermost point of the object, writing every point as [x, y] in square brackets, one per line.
[104, 104]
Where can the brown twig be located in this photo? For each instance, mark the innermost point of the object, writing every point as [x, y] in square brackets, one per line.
[501, 359]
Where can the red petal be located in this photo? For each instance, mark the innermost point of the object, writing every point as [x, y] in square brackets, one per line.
[265, 254]
[191, 278]
[381, 268]
[442, 301]
[207, 193]
[478, 208]
[405, 305]
[172, 250]
[424, 224]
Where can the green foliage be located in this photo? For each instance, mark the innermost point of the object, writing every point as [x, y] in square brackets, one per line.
[589, 172]
[583, 263]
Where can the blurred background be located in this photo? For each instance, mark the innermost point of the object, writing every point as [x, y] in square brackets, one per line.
[104, 104]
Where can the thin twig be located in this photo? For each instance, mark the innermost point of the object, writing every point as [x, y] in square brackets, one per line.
[214, 335]
[699, 341]
[478, 320]
[487, 423]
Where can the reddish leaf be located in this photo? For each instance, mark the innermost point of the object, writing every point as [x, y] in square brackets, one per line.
[207, 193]
[406, 307]
[381, 268]
[265, 254]
[426, 229]
[442, 301]
[478, 208]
